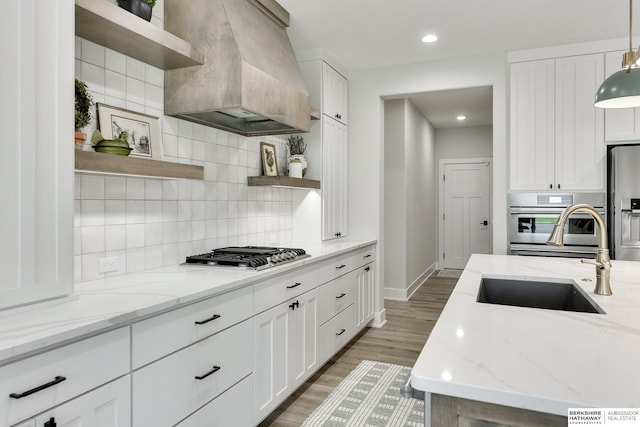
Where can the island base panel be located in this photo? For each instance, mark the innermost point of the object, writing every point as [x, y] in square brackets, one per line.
[447, 411]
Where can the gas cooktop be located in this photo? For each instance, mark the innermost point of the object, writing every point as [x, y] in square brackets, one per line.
[253, 257]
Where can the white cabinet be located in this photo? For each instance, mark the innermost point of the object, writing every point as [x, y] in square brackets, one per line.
[620, 124]
[46, 380]
[36, 166]
[365, 295]
[285, 351]
[556, 134]
[334, 179]
[107, 406]
[334, 94]
[327, 144]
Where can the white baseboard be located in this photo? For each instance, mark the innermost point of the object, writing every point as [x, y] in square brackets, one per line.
[379, 319]
[405, 294]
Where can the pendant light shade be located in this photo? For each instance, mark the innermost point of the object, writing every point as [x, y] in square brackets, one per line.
[620, 90]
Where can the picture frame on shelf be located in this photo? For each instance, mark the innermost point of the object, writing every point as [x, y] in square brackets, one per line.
[269, 159]
[143, 130]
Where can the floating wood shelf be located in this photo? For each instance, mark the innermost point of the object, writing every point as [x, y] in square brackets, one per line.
[108, 25]
[282, 181]
[90, 161]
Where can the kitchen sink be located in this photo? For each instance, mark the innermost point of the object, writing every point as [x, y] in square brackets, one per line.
[551, 295]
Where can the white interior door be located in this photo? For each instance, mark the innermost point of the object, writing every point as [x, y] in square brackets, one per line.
[466, 216]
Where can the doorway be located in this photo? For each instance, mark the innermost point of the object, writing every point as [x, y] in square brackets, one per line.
[465, 210]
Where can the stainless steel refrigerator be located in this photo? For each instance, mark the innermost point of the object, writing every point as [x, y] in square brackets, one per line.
[623, 202]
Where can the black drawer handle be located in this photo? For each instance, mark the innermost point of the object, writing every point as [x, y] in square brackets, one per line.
[213, 371]
[341, 266]
[57, 380]
[202, 322]
[368, 256]
[367, 268]
[294, 286]
[342, 331]
[341, 295]
[293, 305]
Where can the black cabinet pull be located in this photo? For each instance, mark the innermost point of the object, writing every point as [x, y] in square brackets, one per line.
[57, 380]
[202, 322]
[558, 186]
[294, 286]
[550, 186]
[51, 423]
[294, 305]
[367, 268]
[368, 256]
[213, 371]
[341, 266]
[341, 295]
[342, 331]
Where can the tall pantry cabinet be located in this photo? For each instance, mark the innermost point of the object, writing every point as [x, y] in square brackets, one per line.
[36, 166]
[327, 143]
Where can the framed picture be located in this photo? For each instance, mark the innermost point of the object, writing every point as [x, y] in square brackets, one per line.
[143, 130]
[269, 159]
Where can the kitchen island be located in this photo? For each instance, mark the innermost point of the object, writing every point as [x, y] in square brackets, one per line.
[527, 362]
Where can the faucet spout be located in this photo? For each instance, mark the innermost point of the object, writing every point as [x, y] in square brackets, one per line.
[602, 261]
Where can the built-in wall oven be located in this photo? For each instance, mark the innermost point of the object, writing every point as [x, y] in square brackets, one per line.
[533, 215]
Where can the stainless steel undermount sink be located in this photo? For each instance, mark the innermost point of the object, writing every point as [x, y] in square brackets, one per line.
[551, 295]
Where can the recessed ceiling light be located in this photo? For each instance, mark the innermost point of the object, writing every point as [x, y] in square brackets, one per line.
[430, 38]
[461, 117]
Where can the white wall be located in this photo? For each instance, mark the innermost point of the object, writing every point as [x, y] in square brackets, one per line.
[367, 87]
[464, 143]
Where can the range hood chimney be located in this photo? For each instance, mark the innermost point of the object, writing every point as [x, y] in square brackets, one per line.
[250, 83]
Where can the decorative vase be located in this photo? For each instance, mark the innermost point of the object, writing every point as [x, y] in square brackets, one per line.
[137, 7]
[80, 137]
[298, 158]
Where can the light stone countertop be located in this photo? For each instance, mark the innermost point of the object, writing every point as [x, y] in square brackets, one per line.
[541, 360]
[104, 304]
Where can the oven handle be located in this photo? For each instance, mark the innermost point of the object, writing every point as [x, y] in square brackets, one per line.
[557, 211]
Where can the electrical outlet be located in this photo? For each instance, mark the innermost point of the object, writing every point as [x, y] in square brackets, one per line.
[107, 265]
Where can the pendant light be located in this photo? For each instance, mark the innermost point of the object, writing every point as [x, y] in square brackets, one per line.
[622, 88]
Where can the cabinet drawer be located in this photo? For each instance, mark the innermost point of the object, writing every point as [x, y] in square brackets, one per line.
[279, 289]
[341, 265]
[230, 409]
[335, 296]
[69, 370]
[335, 334]
[158, 336]
[168, 390]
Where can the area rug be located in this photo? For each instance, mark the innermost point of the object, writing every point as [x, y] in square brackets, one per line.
[449, 272]
[370, 396]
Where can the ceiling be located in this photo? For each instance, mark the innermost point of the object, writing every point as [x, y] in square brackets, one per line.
[378, 33]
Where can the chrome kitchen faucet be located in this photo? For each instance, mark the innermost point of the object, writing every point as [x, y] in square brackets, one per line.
[602, 262]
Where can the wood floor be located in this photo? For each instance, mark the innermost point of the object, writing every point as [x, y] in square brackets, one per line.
[399, 341]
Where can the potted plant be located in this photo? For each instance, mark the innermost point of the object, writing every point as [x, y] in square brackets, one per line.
[296, 153]
[141, 8]
[84, 101]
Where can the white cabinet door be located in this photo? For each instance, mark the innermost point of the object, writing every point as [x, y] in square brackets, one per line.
[620, 124]
[36, 166]
[334, 94]
[579, 126]
[285, 351]
[334, 179]
[532, 125]
[365, 295]
[107, 406]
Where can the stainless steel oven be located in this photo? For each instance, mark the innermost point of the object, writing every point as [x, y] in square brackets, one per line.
[533, 215]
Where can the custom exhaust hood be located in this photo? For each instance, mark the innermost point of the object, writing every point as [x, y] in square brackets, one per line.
[250, 83]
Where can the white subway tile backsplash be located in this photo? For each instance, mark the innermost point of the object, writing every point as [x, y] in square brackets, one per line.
[149, 223]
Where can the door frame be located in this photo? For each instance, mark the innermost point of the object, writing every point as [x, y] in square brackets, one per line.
[464, 161]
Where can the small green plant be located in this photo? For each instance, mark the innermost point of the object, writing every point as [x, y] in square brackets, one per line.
[124, 135]
[150, 2]
[84, 101]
